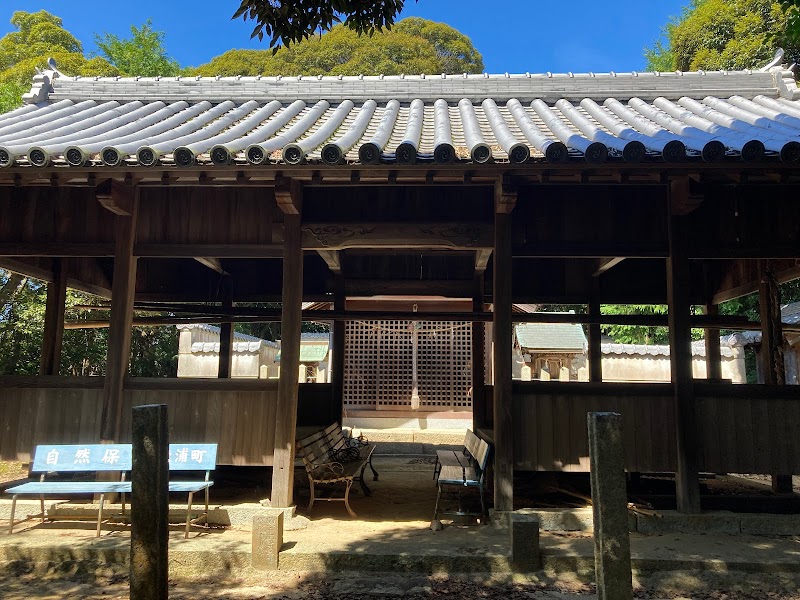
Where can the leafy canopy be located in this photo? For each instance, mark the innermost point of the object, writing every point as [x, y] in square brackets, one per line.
[726, 34]
[40, 36]
[285, 22]
[141, 54]
[413, 46]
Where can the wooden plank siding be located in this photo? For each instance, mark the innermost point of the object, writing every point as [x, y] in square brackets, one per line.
[740, 429]
[241, 420]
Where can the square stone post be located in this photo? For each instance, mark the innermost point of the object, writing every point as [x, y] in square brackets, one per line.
[612, 547]
[267, 539]
[289, 198]
[149, 502]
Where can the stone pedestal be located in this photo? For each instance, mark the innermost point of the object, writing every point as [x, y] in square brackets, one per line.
[267, 538]
[612, 549]
[525, 553]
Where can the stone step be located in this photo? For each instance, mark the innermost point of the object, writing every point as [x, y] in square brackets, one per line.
[409, 441]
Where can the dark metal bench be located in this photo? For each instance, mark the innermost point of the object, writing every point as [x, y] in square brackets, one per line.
[330, 457]
[94, 458]
[469, 473]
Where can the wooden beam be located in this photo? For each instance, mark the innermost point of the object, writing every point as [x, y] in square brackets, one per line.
[479, 416]
[505, 196]
[482, 259]
[687, 483]
[209, 250]
[54, 320]
[116, 196]
[773, 365]
[119, 336]
[57, 249]
[713, 355]
[212, 263]
[449, 235]
[291, 322]
[225, 368]
[289, 195]
[333, 259]
[339, 341]
[505, 200]
[597, 249]
[606, 264]
[450, 288]
[595, 340]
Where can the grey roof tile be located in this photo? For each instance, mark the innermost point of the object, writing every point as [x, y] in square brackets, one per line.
[687, 110]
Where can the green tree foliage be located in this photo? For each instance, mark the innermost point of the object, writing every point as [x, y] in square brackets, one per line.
[413, 46]
[40, 36]
[154, 350]
[724, 34]
[141, 54]
[289, 21]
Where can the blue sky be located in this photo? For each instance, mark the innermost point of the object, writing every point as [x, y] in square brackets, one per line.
[513, 36]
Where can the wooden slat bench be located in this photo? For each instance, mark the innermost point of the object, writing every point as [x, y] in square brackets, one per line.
[466, 474]
[458, 458]
[94, 458]
[330, 457]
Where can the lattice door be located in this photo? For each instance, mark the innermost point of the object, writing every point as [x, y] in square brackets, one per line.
[379, 365]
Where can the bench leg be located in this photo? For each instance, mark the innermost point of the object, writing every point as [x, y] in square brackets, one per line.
[188, 515]
[436, 468]
[207, 490]
[483, 507]
[347, 498]
[100, 513]
[374, 472]
[311, 500]
[436, 507]
[13, 510]
[364, 487]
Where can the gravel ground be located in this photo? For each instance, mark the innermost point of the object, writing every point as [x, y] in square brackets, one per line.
[59, 584]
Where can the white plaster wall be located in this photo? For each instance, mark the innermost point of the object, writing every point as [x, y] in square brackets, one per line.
[623, 367]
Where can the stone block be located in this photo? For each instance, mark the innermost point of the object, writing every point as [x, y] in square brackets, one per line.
[770, 524]
[525, 553]
[561, 519]
[670, 521]
[267, 539]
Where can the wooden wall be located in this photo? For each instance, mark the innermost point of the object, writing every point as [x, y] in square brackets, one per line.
[238, 415]
[740, 428]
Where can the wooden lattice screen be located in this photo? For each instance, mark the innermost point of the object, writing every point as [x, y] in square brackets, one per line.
[379, 365]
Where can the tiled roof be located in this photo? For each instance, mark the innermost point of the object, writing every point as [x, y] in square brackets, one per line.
[551, 336]
[404, 119]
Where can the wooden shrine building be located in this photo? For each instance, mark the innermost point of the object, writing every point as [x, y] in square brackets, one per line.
[467, 193]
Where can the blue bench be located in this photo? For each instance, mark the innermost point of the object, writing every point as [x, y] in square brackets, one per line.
[95, 458]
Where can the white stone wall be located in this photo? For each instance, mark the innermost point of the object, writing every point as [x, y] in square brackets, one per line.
[624, 367]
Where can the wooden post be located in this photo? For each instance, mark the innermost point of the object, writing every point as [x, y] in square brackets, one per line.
[713, 356]
[225, 370]
[123, 290]
[337, 365]
[595, 341]
[772, 360]
[505, 199]
[291, 324]
[687, 483]
[54, 319]
[478, 359]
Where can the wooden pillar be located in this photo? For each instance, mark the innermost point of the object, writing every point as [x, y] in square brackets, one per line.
[687, 483]
[713, 356]
[505, 199]
[337, 365]
[54, 319]
[225, 370]
[772, 359]
[289, 197]
[595, 340]
[123, 289]
[478, 358]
